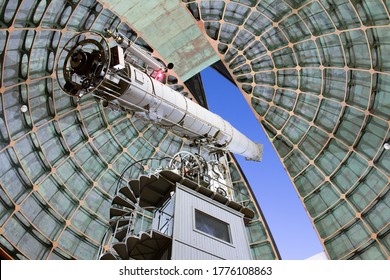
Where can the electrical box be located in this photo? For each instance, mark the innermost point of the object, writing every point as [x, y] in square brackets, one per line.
[117, 58]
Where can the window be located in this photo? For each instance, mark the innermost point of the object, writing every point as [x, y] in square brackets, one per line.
[212, 226]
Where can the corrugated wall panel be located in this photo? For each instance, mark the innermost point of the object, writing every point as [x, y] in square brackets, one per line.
[184, 228]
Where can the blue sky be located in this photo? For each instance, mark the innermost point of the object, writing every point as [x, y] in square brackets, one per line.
[291, 228]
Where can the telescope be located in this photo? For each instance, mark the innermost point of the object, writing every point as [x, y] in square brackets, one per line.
[127, 78]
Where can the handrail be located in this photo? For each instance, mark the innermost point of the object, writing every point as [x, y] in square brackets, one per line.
[132, 164]
[149, 229]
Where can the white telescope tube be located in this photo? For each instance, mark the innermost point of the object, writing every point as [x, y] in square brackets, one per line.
[183, 116]
[88, 64]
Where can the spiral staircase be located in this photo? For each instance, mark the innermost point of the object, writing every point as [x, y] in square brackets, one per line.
[141, 216]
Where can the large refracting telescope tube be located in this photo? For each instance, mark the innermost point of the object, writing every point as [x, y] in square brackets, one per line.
[88, 64]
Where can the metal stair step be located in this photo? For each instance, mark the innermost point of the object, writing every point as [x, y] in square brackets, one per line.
[121, 233]
[121, 249]
[107, 256]
[151, 190]
[134, 187]
[122, 202]
[116, 212]
[127, 192]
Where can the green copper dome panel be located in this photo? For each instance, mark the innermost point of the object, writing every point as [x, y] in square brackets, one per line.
[316, 73]
[61, 161]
